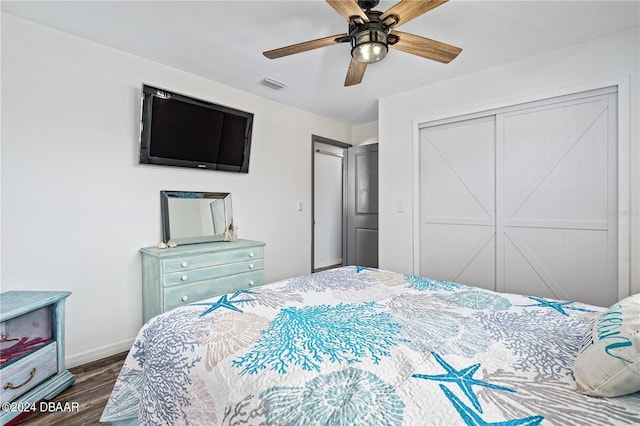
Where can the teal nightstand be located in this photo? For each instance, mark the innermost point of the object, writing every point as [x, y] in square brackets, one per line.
[31, 349]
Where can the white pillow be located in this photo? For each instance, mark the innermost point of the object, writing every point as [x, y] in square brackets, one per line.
[608, 363]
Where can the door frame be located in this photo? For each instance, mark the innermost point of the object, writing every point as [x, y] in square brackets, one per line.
[327, 141]
[625, 285]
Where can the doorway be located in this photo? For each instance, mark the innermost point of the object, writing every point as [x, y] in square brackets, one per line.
[328, 203]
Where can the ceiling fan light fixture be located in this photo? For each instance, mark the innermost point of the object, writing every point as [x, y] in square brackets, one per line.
[369, 46]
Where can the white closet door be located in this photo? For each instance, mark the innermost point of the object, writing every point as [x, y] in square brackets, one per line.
[525, 201]
[458, 202]
[559, 181]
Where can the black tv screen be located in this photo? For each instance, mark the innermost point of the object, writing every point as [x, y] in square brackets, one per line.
[178, 130]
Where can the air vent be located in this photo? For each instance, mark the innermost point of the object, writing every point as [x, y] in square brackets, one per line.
[272, 84]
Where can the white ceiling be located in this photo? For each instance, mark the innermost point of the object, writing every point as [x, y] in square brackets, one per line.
[224, 41]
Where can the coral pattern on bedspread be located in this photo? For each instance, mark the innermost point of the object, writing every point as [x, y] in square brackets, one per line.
[362, 346]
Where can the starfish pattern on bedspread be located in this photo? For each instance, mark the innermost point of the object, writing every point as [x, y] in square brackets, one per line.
[561, 307]
[472, 419]
[463, 378]
[225, 302]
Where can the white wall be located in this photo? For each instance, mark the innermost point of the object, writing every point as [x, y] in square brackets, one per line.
[364, 134]
[77, 206]
[614, 58]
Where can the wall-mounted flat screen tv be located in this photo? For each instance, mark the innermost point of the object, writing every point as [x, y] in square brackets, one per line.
[178, 130]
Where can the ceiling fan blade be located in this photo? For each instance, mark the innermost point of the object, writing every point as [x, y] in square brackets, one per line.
[348, 8]
[354, 73]
[425, 47]
[406, 10]
[303, 47]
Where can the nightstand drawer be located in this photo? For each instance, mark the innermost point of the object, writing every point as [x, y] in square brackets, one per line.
[193, 275]
[189, 293]
[222, 257]
[28, 372]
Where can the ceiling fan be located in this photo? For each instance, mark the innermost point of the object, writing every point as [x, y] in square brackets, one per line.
[372, 32]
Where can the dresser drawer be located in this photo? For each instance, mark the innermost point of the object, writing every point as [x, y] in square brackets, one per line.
[189, 293]
[219, 267]
[28, 372]
[219, 258]
[193, 275]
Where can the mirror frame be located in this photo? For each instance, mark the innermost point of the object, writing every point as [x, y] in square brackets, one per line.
[166, 222]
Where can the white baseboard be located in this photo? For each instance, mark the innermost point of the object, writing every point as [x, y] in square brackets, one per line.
[98, 353]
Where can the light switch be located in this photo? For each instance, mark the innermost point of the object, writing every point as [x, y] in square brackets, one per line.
[299, 206]
[399, 207]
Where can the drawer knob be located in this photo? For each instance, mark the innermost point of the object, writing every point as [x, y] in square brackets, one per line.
[251, 283]
[251, 254]
[251, 266]
[10, 385]
[184, 264]
[184, 278]
[185, 298]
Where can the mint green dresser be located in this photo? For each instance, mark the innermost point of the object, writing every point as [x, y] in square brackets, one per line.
[31, 350]
[181, 275]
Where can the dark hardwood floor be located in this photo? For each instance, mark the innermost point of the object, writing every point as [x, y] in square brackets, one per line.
[89, 393]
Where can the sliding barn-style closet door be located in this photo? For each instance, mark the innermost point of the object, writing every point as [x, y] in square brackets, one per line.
[458, 202]
[524, 201]
[558, 201]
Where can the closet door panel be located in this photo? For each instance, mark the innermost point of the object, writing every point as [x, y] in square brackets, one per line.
[521, 275]
[458, 202]
[458, 170]
[559, 183]
[557, 171]
[459, 253]
[556, 263]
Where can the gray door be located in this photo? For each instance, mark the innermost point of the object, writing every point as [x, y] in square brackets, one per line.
[362, 205]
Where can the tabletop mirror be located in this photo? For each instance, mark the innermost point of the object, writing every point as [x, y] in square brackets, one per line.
[195, 217]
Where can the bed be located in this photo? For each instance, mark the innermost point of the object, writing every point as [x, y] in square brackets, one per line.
[362, 346]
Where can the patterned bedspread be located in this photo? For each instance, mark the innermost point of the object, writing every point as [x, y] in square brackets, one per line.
[358, 346]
